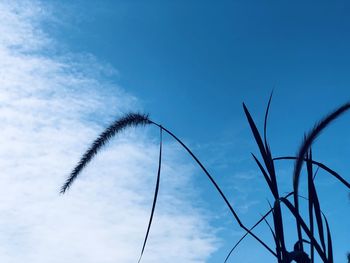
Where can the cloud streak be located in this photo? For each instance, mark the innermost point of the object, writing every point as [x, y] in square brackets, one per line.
[51, 107]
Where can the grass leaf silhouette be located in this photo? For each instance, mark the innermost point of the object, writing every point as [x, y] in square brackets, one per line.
[270, 178]
[329, 241]
[265, 120]
[310, 177]
[155, 193]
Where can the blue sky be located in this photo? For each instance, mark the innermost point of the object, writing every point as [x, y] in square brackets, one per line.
[197, 62]
[190, 64]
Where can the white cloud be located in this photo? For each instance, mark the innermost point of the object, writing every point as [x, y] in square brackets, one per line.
[49, 107]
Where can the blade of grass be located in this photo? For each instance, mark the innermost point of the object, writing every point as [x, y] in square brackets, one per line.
[256, 134]
[155, 193]
[317, 209]
[265, 120]
[266, 155]
[314, 177]
[310, 207]
[264, 151]
[329, 241]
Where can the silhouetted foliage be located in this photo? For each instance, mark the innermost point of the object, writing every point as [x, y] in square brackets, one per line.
[320, 241]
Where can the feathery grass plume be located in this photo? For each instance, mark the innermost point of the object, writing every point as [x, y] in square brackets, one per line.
[312, 135]
[309, 139]
[129, 120]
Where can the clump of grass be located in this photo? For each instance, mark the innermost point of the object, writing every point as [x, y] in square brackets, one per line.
[320, 243]
[316, 216]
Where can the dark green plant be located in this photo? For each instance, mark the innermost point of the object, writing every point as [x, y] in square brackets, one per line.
[320, 244]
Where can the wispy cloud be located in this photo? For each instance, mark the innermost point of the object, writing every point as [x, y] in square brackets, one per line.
[50, 109]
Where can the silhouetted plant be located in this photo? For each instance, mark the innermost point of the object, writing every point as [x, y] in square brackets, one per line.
[321, 244]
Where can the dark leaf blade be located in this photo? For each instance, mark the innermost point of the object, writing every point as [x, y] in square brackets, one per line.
[329, 241]
[129, 120]
[315, 174]
[264, 151]
[265, 120]
[310, 201]
[256, 133]
[317, 209]
[155, 195]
